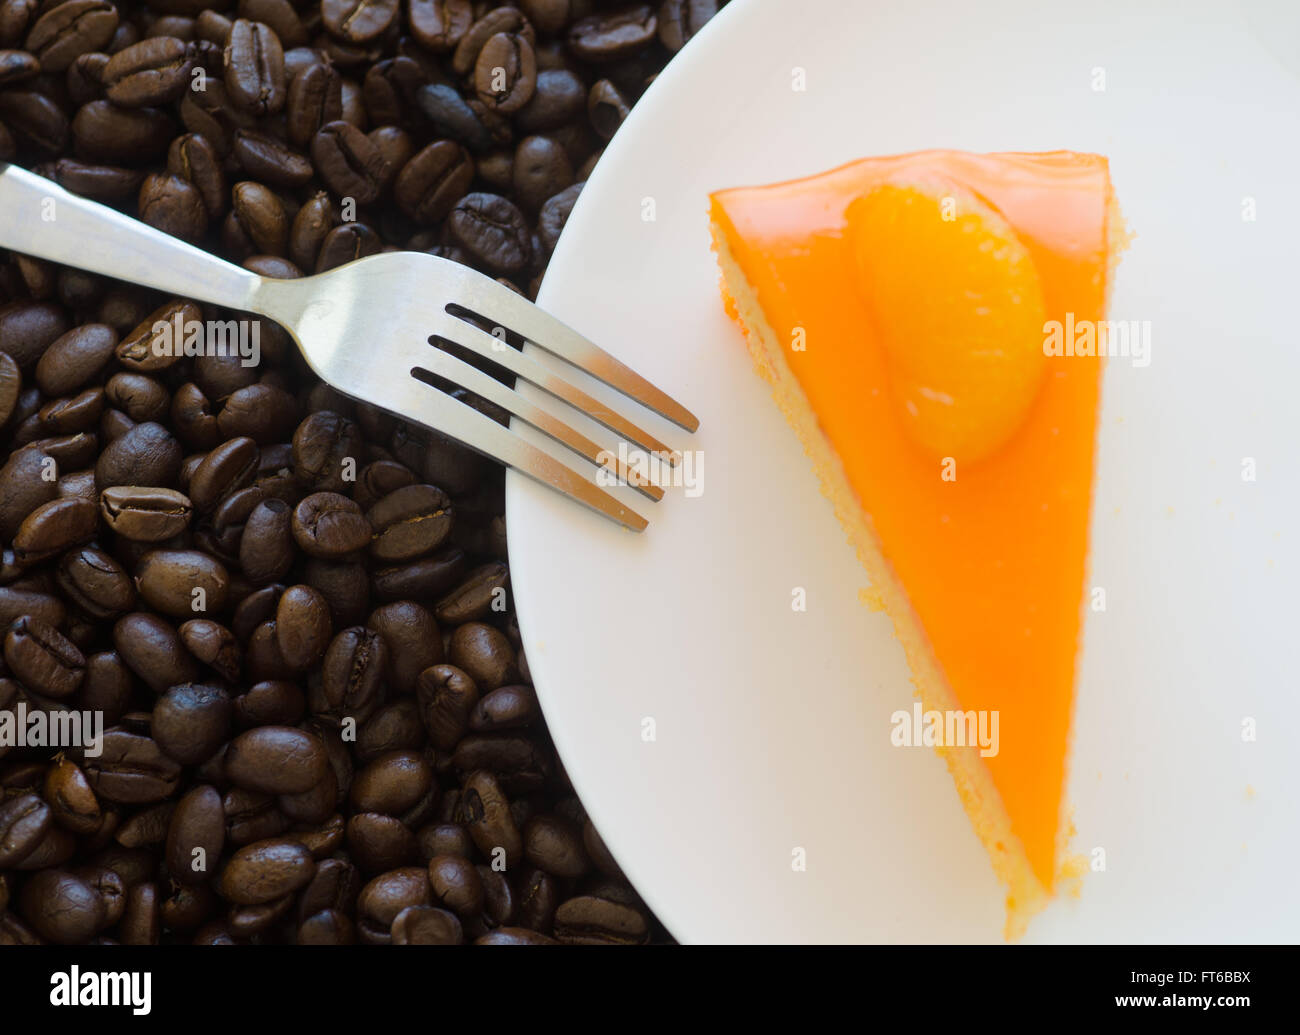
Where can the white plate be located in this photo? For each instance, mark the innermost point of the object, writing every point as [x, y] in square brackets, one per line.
[770, 726]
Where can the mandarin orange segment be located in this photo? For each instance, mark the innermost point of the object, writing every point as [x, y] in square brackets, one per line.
[955, 301]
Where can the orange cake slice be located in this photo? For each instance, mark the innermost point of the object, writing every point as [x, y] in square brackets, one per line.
[925, 323]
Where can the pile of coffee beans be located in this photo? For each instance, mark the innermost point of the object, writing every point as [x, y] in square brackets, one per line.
[290, 611]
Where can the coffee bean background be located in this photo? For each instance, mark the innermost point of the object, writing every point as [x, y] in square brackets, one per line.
[293, 610]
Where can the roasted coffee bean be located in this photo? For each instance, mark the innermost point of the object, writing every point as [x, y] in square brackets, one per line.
[492, 230]
[425, 925]
[507, 707]
[392, 783]
[71, 361]
[10, 385]
[555, 846]
[151, 649]
[73, 804]
[61, 907]
[148, 515]
[541, 170]
[27, 329]
[484, 654]
[311, 226]
[251, 816]
[517, 761]
[260, 216]
[109, 886]
[266, 871]
[413, 640]
[349, 162]
[325, 451]
[181, 583]
[67, 30]
[174, 206]
[193, 158]
[213, 644]
[385, 896]
[269, 161]
[452, 116]
[25, 484]
[499, 20]
[486, 815]
[190, 721]
[328, 525]
[131, 770]
[447, 698]
[514, 936]
[482, 593]
[345, 244]
[302, 626]
[103, 132]
[276, 760]
[434, 179]
[270, 703]
[358, 21]
[17, 65]
[24, 821]
[328, 927]
[439, 25]
[315, 98]
[151, 72]
[555, 213]
[195, 836]
[588, 920]
[396, 726]
[602, 38]
[456, 884]
[378, 842]
[352, 674]
[679, 20]
[227, 468]
[254, 63]
[505, 72]
[606, 107]
[560, 99]
[139, 396]
[186, 907]
[263, 412]
[266, 550]
[54, 527]
[95, 582]
[145, 455]
[141, 922]
[42, 657]
[409, 522]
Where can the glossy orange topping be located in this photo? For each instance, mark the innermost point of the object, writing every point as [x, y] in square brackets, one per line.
[923, 340]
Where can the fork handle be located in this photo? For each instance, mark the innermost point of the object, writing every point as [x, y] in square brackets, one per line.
[40, 218]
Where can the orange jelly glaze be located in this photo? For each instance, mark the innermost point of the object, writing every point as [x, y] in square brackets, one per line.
[993, 562]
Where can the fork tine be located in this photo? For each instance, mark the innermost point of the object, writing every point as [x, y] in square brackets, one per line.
[492, 348]
[481, 433]
[498, 304]
[458, 371]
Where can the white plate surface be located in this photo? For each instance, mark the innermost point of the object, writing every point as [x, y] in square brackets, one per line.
[770, 727]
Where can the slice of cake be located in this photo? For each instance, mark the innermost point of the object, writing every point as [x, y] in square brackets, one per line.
[929, 324]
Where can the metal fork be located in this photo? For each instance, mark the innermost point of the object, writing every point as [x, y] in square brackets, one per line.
[371, 329]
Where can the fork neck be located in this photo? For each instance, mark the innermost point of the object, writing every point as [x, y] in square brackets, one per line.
[43, 220]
